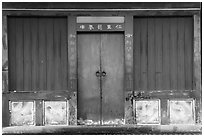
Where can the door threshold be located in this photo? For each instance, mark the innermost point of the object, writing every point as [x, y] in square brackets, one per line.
[123, 129]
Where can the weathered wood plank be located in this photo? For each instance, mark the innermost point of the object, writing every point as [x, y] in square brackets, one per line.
[35, 53]
[90, 13]
[5, 84]
[197, 52]
[136, 52]
[166, 94]
[158, 53]
[57, 55]
[173, 53]
[12, 53]
[5, 111]
[50, 53]
[180, 52]
[27, 54]
[197, 69]
[39, 112]
[165, 116]
[151, 54]
[73, 109]
[42, 53]
[165, 64]
[129, 114]
[5, 31]
[96, 5]
[19, 54]
[41, 95]
[188, 52]
[144, 51]
[64, 62]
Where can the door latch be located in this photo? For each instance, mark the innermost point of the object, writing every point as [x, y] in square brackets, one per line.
[100, 73]
[97, 73]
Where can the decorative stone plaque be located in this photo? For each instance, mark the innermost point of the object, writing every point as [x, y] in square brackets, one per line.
[181, 111]
[56, 112]
[22, 113]
[148, 112]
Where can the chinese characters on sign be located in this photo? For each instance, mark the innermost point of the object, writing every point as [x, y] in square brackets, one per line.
[100, 27]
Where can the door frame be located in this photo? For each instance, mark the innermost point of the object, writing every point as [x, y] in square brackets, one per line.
[128, 62]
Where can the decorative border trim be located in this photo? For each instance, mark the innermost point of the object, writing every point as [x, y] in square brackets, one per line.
[175, 9]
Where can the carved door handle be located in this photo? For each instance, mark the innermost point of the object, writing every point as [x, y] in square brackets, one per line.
[103, 73]
[98, 73]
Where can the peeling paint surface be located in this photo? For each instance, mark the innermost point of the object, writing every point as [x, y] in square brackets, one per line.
[129, 118]
[73, 109]
[88, 122]
[107, 122]
[56, 113]
[181, 112]
[148, 112]
[22, 113]
[114, 122]
[4, 81]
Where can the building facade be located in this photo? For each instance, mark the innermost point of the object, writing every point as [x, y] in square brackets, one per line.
[129, 64]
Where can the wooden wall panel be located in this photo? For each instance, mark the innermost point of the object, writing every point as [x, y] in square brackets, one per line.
[64, 55]
[143, 53]
[173, 53]
[19, 54]
[151, 54]
[137, 49]
[50, 53]
[42, 54]
[158, 53]
[165, 61]
[181, 59]
[38, 53]
[35, 53]
[164, 46]
[12, 53]
[27, 55]
[188, 52]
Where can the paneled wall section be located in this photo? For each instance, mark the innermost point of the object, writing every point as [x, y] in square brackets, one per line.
[38, 53]
[163, 53]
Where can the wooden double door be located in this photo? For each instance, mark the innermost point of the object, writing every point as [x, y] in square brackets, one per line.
[100, 78]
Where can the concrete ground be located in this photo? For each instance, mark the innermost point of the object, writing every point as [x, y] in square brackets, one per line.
[105, 130]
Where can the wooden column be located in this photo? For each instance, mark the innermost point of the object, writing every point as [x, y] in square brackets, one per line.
[128, 69]
[72, 58]
[197, 68]
[165, 113]
[72, 53]
[4, 55]
[39, 113]
[5, 102]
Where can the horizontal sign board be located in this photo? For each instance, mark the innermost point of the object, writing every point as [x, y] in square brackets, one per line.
[110, 19]
[100, 27]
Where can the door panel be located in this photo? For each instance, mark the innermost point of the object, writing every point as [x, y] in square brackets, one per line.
[100, 99]
[112, 61]
[88, 83]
